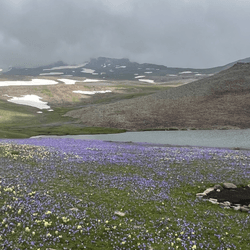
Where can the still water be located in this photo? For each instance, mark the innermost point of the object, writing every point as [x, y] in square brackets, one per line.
[239, 138]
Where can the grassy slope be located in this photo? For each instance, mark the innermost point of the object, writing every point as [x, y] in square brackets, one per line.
[20, 121]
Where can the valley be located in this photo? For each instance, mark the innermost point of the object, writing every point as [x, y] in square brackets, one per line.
[20, 121]
[59, 104]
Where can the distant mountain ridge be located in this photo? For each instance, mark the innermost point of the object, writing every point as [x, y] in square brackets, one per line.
[117, 69]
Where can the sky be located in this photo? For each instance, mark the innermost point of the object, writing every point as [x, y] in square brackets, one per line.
[174, 33]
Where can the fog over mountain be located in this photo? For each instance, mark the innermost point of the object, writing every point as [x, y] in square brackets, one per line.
[183, 33]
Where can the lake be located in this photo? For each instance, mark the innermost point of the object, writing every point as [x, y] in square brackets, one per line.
[239, 138]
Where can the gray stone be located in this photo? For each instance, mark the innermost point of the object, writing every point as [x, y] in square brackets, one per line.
[74, 209]
[218, 187]
[226, 203]
[119, 213]
[214, 201]
[236, 208]
[229, 185]
[208, 190]
[244, 209]
[200, 194]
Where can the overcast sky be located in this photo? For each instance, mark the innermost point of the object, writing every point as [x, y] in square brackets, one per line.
[181, 33]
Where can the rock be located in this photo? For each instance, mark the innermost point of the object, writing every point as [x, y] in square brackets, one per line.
[229, 185]
[216, 187]
[214, 201]
[208, 190]
[226, 203]
[244, 209]
[74, 209]
[200, 194]
[233, 194]
[236, 208]
[119, 213]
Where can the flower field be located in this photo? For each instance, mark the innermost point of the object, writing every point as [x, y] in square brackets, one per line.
[78, 194]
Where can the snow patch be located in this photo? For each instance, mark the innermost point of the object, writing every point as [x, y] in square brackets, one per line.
[91, 92]
[93, 80]
[146, 80]
[88, 71]
[30, 100]
[186, 72]
[67, 67]
[120, 67]
[28, 83]
[51, 73]
[67, 81]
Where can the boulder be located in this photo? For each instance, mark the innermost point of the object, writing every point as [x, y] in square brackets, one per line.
[229, 185]
[208, 190]
[218, 187]
[200, 194]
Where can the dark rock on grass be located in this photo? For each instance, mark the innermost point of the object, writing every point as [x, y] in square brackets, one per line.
[240, 195]
[229, 196]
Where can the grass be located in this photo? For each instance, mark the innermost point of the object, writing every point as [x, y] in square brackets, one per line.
[20, 121]
[86, 205]
[66, 130]
[16, 122]
[47, 92]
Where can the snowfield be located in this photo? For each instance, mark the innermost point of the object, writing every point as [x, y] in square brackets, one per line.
[30, 100]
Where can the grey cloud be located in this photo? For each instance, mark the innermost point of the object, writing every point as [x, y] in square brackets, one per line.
[183, 33]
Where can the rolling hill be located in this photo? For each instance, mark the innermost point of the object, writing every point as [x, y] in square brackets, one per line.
[219, 101]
